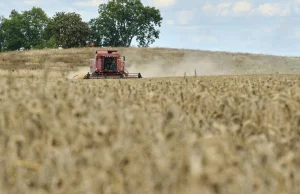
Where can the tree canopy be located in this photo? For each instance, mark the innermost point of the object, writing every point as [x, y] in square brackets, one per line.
[68, 30]
[35, 22]
[1, 35]
[24, 29]
[13, 31]
[120, 21]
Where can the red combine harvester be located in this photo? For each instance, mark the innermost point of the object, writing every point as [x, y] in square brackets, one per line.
[108, 64]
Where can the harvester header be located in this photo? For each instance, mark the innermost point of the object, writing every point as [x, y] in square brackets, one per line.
[109, 64]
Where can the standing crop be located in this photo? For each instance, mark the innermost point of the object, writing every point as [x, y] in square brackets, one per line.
[210, 134]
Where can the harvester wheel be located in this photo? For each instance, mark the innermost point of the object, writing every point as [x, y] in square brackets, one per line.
[88, 75]
[139, 75]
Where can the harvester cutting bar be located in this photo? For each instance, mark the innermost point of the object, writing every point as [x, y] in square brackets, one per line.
[110, 77]
[104, 78]
[134, 75]
[128, 76]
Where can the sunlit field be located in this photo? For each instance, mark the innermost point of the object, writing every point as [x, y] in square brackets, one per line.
[156, 62]
[226, 133]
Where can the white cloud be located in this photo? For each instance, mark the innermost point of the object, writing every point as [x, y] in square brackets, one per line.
[90, 3]
[208, 9]
[269, 9]
[163, 3]
[227, 8]
[241, 7]
[246, 8]
[185, 16]
[225, 5]
[32, 2]
[223, 8]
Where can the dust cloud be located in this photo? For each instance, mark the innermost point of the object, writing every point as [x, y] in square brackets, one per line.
[79, 73]
[188, 66]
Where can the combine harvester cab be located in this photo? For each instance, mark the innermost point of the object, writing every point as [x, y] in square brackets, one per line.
[109, 64]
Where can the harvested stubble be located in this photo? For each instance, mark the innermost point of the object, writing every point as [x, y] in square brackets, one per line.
[214, 134]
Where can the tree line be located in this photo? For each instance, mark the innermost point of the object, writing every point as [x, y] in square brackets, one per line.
[118, 23]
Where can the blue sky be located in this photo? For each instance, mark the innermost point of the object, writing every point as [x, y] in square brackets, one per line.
[255, 26]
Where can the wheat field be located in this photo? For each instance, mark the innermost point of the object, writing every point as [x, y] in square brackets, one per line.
[208, 134]
[156, 62]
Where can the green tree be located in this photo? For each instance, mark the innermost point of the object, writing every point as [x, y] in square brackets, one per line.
[24, 29]
[68, 30]
[35, 22]
[1, 35]
[120, 21]
[13, 31]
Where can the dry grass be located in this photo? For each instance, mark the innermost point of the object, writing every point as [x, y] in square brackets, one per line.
[209, 134]
[156, 61]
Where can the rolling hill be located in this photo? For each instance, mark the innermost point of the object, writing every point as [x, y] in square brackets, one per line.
[156, 62]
